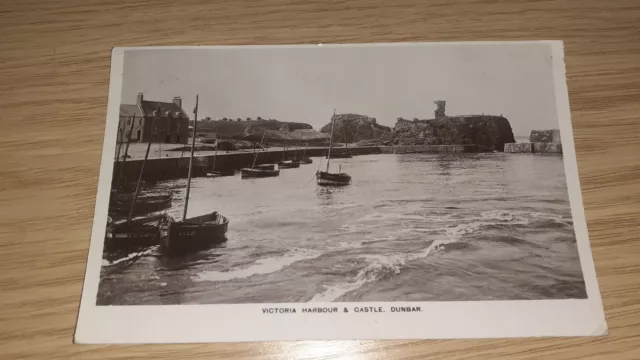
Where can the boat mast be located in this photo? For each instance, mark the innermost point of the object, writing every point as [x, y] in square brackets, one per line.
[284, 148]
[126, 149]
[146, 156]
[215, 154]
[344, 131]
[258, 153]
[119, 142]
[333, 119]
[193, 147]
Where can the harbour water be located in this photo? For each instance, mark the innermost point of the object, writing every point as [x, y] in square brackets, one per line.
[412, 227]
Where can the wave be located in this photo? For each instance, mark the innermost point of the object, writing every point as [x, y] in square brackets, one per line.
[260, 267]
[131, 256]
[378, 267]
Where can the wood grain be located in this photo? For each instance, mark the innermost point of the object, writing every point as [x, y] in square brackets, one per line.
[54, 67]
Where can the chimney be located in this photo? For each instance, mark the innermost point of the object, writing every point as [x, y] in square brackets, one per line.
[139, 100]
[178, 101]
[440, 111]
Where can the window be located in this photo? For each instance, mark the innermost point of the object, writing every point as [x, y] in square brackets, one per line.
[167, 138]
[140, 121]
[138, 136]
[129, 121]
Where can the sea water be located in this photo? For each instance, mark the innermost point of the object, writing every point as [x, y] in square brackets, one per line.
[411, 227]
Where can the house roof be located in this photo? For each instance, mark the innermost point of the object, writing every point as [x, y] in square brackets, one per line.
[129, 109]
[150, 106]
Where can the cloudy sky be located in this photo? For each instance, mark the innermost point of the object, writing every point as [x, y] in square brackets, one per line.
[305, 84]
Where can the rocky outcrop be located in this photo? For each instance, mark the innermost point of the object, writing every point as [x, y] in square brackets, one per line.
[545, 136]
[486, 131]
[518, 148]
[542, 148]
[353, 128]
[538, 148]
[238, 128]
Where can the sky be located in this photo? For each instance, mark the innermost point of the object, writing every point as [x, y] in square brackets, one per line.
[306, 84]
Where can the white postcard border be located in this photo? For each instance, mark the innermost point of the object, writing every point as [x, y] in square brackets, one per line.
[247, 322]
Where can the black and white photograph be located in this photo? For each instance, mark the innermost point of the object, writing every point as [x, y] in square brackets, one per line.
[379, 178]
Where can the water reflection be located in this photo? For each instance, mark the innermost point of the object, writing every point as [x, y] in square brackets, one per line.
[327, 194]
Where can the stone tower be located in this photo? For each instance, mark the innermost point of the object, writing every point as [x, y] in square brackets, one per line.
[440, 110]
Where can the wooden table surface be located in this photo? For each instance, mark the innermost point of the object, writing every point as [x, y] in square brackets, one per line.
[54, 67]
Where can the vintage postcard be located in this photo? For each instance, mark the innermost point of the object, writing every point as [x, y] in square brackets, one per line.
[361, 191]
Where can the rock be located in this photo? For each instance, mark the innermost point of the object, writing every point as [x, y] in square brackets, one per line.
[518, 148]
[353, 128]
[538, 148]
[486, 131]
[545, 136]
[543, 147]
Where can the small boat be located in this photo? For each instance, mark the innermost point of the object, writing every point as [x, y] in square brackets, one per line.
[336, 179]
[288, 164]
[200, 232]
[143, 205]
[197, 233]
[136, 232]
[326, 178]
[115, 197]
[220, 173]
[265, 167]
[284, 163]
[258, 173]
[303, 158]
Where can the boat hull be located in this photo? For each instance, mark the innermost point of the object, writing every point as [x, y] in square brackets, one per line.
[265, 167]
[307, 160]
[197, 233]
[258, 173]
[137, 233]
[220, 173]
[331, 179]
[141, 207]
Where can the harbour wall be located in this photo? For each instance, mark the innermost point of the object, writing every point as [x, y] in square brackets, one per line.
[176, 167]
[537, 148]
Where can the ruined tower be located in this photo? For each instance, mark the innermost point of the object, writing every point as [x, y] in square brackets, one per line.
[440, 110]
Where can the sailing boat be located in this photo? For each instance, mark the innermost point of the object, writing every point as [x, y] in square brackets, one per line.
[218, 173]
[258, 171]
[347, 152]
[284, 163]
[131, 232]
[304, 159]
[326, 177]
[198, 232]
[120, 201]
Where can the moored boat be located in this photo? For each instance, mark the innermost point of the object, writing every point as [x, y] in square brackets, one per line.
[200, 232]
[197, 233]
[143, 205]
[336, 179]
[326, 178]
[221, 173]
[265, 167]
[305, 160]
[258, 173]
[134, 233]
